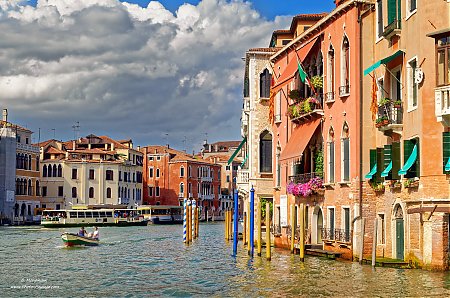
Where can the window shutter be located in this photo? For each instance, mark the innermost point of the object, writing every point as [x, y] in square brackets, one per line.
[331, 160]
[346, 159]
[445, 149]
[380, 164]
[417, 164]
[387, 158]
[408, 146]
[395, 154]
[392, 11]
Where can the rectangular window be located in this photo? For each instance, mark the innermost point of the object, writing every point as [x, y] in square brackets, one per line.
[74, 174]
[446, 151]
[278, 107]
[347, 224]
[150, 158]
[182, 172]
[278, 171]
[394, 11]
[331, 162]
[381, 229]
[190, 188]
[412, 85]
[346, 159]
[228, 178]
[158, 158]
[157, 173]
[109, 175]
[150, 191]
[331, 222]
[379, 18]
[408, 146]
[396, 162]
[228, 168]
[150, 172]
[60, 191]
[44, 191]
[157, 191]
[443, 61]
[120, 175]
[91, 174]
[412, 5]
[235, 168]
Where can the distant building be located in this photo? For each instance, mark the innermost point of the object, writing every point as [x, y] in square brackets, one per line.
[95, 170]
[7, 170]
[221, 148]
[170, 176]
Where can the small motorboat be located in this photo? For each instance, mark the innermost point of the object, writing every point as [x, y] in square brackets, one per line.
[71, 239]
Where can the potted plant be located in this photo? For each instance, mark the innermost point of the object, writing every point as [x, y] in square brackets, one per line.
[295, 95]
[378, 122]
[384, 101]
[317, 82]
[397, 103]
[384, 120]
[411, 182]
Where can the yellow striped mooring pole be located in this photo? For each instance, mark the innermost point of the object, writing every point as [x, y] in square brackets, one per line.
[258, 217]
[226, 224]
[268, 241]
[292, 228]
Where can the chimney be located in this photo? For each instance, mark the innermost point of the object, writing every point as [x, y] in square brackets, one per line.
[73, 145]
[138, 148]
[112, 146]
[5, 115]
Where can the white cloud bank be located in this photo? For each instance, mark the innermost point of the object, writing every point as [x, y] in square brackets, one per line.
[128, 71]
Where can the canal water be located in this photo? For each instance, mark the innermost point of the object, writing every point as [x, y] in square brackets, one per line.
[153, 261]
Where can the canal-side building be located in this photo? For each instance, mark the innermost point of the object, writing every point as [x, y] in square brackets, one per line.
[90, 171]
[406, 145]
[316, 123]
[8, 145]
[170, 176]
[26, 172]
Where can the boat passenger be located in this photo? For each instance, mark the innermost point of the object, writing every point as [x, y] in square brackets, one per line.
[82, 232]
[95, 234]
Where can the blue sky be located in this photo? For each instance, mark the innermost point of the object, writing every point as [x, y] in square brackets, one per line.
[268, 8]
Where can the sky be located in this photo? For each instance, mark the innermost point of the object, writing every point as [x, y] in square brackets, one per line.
[156, 72]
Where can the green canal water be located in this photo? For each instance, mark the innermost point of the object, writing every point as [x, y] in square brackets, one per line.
[153, 262]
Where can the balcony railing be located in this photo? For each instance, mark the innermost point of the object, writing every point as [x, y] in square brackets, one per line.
[344, 90]
[243, 176]
[390, 116]
[276, 230]
[442, 103]
[392, 29]
[27, 147]
[303, 178]
[329, 97]
[306, 109]
[340, 235]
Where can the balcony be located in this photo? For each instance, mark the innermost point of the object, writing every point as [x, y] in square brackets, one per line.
[243, 179]
[344, 91]
[303, 178]
[27, 147]
[206, 197]
[306, 110]
[394, 28]
[390, 117]
[181, 195]
[336, 235]
[246, 105]
[442, 104]
[206, 179]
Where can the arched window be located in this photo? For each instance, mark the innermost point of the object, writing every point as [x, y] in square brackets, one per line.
[37, 163]
[330, 74]
[345, 67]
[181, 188]
[38, 189]
[319, 63]
[264, 84]
[55, 171]
[108, 193]
[91, 192]
[74, 192]
[49, 172]
[189, 171]
[29, 162]
[345, 153]
[265, 152]
[59, 171]
[30, 188]
[17, 161]
[24, 185]
[17, 186]
[44, 171]
[330, 156]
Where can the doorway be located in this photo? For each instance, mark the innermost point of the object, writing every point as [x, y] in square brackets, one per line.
[399, 233]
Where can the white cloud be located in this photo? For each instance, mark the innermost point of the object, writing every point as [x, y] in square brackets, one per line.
[128, 71]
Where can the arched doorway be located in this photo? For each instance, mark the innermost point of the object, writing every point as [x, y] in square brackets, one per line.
[317, 226]
[399, 233]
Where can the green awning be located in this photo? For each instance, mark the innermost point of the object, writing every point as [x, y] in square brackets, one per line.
[383, 61]
[386, 171]
[245, 160]
[372, 172]
[237, 150]
[411, 160]
[447, 165]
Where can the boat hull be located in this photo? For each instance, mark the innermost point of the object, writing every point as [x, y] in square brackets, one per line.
[95, 224]
[71, 239]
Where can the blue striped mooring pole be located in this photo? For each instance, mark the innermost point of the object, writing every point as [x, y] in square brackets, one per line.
[236, 222]
[252, 220]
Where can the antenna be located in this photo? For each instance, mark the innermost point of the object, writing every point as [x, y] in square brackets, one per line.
[167, 140]
[76, 130]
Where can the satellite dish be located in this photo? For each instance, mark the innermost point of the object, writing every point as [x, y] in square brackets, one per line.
[418, 76]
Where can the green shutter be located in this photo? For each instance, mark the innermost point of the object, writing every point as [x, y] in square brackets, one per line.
[380, 163]
[387, 152]
[392, 11]
[418, 158]
[395, 154]
[408, 147]
[373, 157]
[445, 149]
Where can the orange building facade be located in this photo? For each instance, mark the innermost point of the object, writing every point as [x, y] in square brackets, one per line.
[170, 176]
